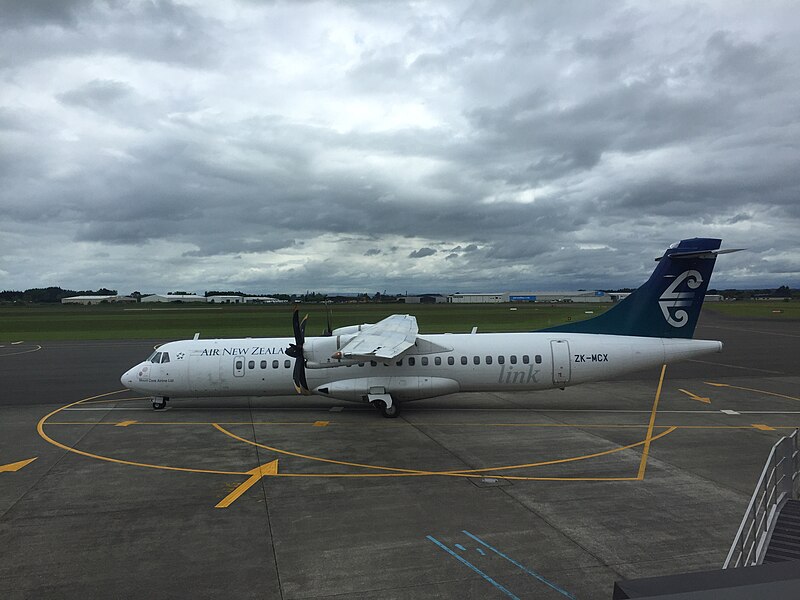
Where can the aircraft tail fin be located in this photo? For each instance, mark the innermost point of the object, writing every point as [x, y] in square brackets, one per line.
[668, 304]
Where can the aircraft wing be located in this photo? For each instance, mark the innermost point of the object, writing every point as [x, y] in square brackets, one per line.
[383, 340]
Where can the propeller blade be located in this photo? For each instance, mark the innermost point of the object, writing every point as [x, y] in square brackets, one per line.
[328, 329]
[299, 376]
[296, 351]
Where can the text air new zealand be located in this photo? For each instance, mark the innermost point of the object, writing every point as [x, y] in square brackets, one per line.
[390, 362]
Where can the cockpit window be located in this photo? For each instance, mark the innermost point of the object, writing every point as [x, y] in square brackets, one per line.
[156, 357]
[165, 357]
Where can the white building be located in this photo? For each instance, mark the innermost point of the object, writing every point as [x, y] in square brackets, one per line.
[86, 299]
[243, 300]
[173, 298]
[496, 297]
[487, 298]
[224, 299]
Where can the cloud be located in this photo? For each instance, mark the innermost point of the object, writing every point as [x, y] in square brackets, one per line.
[286, 147]
[422, 253]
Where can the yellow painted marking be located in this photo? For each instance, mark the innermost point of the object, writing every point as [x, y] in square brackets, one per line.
[573, 425]
[43, 421]
[124, 423]
[695, 396]
[763, 427]
[398, 472]
[270, 468]
[649, 437]
[393, 472]
[321, 423]
[117, 400]
[747, 389]
[14, 467]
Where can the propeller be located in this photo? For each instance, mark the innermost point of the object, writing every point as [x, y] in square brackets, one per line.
[328, 330]
[296, 351]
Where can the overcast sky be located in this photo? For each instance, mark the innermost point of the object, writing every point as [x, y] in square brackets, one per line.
[370, 146]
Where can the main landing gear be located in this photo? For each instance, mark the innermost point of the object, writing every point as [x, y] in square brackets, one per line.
[159, 402]
[384, 404]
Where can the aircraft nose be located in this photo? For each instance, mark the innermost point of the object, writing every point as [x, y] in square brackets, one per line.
[127, 377]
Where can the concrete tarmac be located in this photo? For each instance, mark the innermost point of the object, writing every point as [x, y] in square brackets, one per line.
[530, 495]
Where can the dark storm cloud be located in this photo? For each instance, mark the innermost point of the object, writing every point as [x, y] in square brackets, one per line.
[40, 12]
[422, 253]
[158, 30]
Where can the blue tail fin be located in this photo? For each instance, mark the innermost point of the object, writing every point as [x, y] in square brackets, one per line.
[669, 304]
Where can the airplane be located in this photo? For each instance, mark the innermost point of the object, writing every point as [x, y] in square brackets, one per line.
[390, 362]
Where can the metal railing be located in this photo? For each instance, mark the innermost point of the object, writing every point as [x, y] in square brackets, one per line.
[778, 483]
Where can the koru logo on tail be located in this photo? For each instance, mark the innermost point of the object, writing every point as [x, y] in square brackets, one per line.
[672, 299]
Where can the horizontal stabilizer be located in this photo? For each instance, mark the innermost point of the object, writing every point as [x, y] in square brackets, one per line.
[703, 254]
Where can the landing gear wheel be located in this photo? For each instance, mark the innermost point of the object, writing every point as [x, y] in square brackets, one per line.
[159, 403]
[391, 412]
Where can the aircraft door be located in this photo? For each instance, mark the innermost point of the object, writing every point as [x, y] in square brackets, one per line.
[561, 363]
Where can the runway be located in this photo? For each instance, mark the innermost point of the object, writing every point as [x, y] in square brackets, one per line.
[530, 495]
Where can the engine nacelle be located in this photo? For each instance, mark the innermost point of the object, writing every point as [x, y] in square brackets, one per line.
[400, 388]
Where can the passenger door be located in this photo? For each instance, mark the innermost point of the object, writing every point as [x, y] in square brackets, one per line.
[561, 363]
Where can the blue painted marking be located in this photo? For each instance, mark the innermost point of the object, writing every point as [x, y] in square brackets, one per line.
[516, 564]
[473, 567]
[460, 547]
[481, 552]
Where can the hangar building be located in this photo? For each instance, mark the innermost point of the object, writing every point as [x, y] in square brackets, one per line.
[567, 296]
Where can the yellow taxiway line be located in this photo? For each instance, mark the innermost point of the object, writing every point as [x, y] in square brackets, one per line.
[649, 437]
[270, 468]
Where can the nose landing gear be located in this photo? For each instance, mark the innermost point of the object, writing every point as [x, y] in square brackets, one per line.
[159, 402]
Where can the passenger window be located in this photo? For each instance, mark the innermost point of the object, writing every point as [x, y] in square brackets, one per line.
[251, 364]
[501, 360]
[239, 365]
[451, 360]
[287, 363]
[513, 359]
[463, 360]
[263, 364]
[399, 363]
[411, 361]
[526, 359]
[476, 360]
[424, 361]
[274, 364]
[360, 364]
[373, 363]
[437, 361]
[488, 360]
[538, 359]
[156, 358]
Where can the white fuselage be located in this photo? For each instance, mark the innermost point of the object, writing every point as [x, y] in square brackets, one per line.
[476, 362]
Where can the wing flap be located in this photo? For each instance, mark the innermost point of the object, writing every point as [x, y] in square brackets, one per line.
[384, 340]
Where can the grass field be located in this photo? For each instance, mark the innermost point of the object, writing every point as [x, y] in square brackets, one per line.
[762, 309]
[59, 322]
